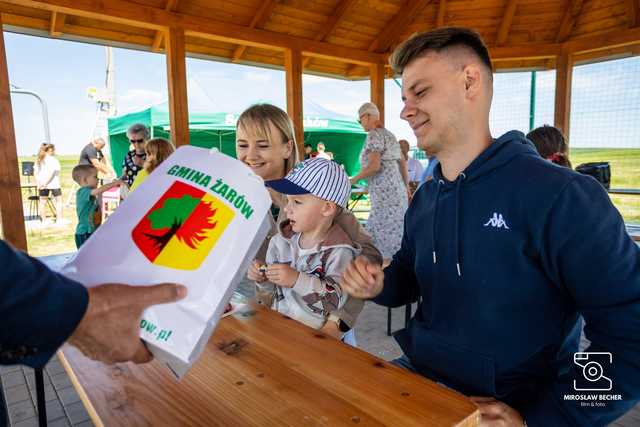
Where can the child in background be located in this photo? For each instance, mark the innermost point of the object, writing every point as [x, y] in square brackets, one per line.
[305, 260]
[86, 176]
[157, 150]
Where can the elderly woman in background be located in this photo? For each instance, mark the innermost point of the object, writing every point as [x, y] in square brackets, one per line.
[133, 162]
[385, 170]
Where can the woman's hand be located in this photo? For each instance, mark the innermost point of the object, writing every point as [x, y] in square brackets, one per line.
[254, 272]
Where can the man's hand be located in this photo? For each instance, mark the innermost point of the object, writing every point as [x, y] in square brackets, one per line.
[110, 329]
[362, 278]
[494, 413]
[254, 273]
[282, 275]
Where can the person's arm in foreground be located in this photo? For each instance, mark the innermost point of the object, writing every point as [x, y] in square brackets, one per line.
[41, 309]
[393, 287]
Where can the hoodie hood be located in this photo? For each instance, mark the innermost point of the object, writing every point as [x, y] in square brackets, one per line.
[499, 153]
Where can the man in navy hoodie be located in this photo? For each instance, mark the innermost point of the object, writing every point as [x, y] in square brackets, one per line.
[504, 251]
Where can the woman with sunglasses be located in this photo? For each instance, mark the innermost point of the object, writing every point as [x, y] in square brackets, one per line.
[133, 162]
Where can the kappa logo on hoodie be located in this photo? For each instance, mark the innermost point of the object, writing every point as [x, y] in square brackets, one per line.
[497, 221]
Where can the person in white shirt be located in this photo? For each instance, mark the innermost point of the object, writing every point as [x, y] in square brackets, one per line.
[47, 173]
[321, 152]
[414, 167]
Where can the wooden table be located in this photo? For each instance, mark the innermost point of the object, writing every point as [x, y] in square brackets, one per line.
[262, 369]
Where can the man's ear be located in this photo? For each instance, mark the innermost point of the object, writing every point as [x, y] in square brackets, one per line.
[472, 80]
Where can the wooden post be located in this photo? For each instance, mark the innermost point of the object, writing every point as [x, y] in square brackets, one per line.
[177, 79]
[564, 70]
[293, 68]
[377, 87]
[11, 212]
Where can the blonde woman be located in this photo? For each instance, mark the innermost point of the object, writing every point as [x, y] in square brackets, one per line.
[156, 151]
[265, 142]
[47, 174]
[385, 170]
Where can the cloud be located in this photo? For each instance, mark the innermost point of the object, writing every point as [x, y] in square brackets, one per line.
[138, 99]
[257, 76]
[309, 79]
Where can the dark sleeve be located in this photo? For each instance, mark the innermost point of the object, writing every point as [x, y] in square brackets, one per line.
[92, 153]
[88, 152]
[400, 284]
[39, 309]
[587, 250]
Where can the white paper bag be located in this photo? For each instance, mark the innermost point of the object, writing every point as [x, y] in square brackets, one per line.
[197, 220]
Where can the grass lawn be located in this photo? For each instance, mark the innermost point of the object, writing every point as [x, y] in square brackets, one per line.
[625, 173]
[54, 239]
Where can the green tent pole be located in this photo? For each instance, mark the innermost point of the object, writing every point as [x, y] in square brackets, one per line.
[532, 101]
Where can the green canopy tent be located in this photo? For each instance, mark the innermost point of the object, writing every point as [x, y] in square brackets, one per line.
[341, 135]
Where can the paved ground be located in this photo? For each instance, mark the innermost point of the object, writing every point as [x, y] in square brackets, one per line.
[65, 409]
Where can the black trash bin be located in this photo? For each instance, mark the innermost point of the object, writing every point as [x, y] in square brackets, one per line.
[601, 171]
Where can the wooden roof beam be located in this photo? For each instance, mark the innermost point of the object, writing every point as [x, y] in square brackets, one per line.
[633, 7]
[332, 23]
[507, 20]
[141, 16]
[603, 41]
[392, 30]
[172, 5]
[569, 20]
[57, 24]
[442, 7]
[260, 19]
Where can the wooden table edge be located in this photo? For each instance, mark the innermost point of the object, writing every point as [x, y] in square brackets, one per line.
[473, 420]
[93, 414]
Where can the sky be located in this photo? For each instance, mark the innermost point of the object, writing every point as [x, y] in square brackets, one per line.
[605, 101]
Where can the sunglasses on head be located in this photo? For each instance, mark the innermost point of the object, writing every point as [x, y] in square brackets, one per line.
[136, 141]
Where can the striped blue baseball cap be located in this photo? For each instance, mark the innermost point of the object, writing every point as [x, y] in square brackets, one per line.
[321, 177]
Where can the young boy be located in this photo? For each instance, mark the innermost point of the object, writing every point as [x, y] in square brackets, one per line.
[305, 260]
[86, 176]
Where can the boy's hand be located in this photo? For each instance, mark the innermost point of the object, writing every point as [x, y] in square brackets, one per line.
[362, 279]
[332, 329]
[254, 272]
[282, 275]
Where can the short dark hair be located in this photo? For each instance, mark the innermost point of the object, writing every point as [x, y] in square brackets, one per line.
[438, 40]
[308, 145]
[80, 172]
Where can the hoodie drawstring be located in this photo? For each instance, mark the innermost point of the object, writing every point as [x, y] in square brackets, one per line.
[435, 220]
[456, 236]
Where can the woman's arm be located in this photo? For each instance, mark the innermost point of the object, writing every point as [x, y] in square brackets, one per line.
[402, 163]
[373, 167]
